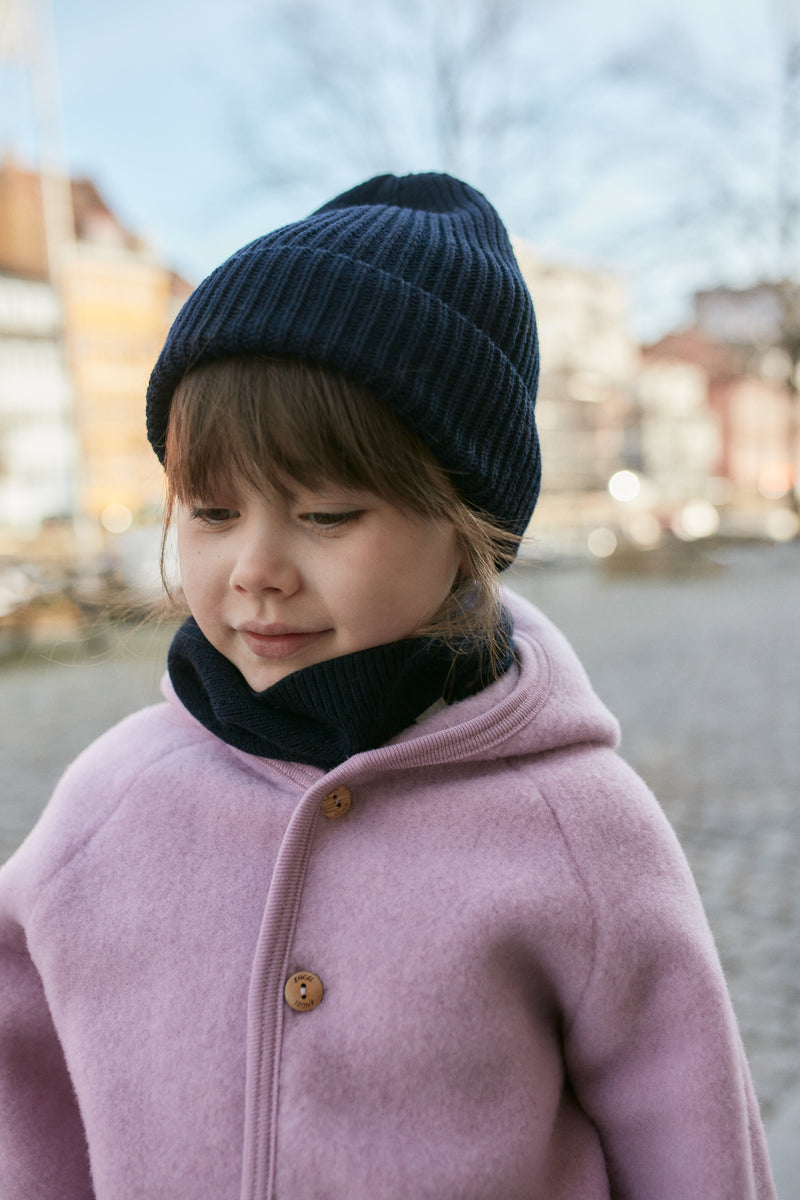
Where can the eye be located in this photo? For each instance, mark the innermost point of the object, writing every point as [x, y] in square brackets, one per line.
[329, 520]
[213, 516]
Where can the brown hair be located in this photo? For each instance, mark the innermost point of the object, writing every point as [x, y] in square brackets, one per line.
[267, 421]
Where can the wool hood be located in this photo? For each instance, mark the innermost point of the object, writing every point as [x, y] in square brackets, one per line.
[468, 965]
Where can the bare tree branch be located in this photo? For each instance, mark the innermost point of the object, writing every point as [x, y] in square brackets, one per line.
[642, 153]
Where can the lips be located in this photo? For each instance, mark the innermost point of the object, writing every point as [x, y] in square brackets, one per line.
[277, 641]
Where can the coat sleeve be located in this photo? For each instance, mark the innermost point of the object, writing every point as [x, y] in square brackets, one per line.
[43, 1154]
[43, 1142]
[653, 1050]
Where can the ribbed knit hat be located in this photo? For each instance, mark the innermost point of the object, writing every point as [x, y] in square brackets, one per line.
[409, 286]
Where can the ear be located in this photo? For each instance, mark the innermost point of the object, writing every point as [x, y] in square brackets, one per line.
[463, 570]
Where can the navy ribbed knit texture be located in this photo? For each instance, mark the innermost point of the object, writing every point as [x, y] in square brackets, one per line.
[409, 286]
[325, 713]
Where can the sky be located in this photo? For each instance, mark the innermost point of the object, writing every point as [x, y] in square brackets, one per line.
[185, 113]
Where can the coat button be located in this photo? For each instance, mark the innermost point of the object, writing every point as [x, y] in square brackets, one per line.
[337, 803]
[303, 991]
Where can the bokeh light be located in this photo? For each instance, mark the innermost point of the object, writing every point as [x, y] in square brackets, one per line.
[602, 542]
[697, 519]
[776, 480]
[624, 486]
[644, 529]
[116, 518]
[782, 525]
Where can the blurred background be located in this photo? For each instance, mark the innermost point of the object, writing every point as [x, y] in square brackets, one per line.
[646, 159]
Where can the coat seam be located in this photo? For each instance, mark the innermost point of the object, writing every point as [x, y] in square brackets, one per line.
[85, 843]
[595, 923]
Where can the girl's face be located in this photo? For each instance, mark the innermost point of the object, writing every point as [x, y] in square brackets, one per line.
[277, 583]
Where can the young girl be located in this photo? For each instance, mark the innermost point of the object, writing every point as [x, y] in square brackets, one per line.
[369, 907]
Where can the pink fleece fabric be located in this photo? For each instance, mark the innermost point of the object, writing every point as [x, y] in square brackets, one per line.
[522, 998]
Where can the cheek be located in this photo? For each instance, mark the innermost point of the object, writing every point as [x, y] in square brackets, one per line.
[433, 565]
[199, 568]
[187, 559]
[415, 578]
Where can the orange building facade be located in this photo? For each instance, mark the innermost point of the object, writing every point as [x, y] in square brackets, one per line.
[116, 302]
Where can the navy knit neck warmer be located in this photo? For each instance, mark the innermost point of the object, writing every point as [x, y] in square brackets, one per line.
[323, 714]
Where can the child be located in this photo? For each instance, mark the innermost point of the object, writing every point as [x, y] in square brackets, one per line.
[369, 907]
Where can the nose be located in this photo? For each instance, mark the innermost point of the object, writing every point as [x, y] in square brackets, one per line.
[263, 561]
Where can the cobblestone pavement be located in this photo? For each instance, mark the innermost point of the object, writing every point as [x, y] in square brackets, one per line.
[701, 669]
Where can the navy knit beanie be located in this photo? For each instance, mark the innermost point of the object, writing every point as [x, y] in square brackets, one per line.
[409, 286]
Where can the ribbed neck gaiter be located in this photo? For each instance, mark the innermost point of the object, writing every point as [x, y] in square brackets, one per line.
[322, 714]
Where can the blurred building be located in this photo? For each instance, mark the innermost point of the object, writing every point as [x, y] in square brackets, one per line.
[681, 433]
[720, 409]
[102, 321]
[587, 393]
[693, 435]
[747, 318]
[760, 327]
[119, 302]
[37, 445]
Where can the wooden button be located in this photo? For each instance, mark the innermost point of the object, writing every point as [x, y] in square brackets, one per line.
[303, 991]
[337, 802]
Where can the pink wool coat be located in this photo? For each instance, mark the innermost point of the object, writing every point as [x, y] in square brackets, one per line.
[520, 996]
